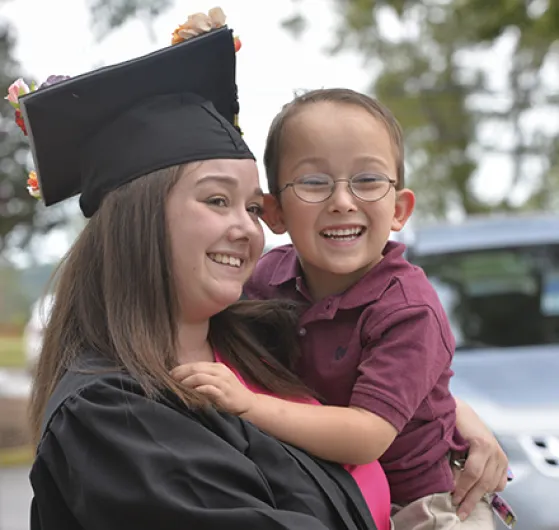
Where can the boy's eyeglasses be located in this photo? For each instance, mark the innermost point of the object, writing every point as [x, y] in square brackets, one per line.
[317, 188]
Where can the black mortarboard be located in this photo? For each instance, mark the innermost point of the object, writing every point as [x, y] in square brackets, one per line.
[93, 133]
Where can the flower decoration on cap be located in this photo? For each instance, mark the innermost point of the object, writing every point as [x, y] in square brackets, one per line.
[53, 79]
[17, 89]
[199, 23]
[33, 185]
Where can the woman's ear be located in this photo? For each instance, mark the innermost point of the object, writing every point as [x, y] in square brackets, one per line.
[273, 215]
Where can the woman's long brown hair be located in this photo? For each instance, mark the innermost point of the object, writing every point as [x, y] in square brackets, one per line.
[114, 294]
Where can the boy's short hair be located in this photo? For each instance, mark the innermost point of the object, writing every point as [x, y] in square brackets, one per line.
[272, 151]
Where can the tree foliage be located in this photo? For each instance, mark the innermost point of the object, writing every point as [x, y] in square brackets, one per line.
[21, 216]
[456, 108]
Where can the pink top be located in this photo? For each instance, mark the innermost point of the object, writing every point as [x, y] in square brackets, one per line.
[370, 477]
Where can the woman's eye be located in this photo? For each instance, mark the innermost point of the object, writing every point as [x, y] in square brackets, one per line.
[217, 201]
[256, 209]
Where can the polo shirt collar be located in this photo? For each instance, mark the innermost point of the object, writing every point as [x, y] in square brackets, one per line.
[288, 268]
[368, 289]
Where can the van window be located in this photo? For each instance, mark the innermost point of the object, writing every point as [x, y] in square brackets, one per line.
[499, 297]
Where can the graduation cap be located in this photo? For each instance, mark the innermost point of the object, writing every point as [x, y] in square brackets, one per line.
[95, 132]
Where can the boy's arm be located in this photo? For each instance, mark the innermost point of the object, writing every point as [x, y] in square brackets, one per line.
[340, 434]
[406, 353]
[399, 368]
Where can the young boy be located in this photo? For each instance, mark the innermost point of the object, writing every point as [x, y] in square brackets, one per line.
[376, 344]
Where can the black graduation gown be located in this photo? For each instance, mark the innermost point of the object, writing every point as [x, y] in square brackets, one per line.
[112, 459]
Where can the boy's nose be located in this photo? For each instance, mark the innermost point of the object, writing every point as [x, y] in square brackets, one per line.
[342, 200]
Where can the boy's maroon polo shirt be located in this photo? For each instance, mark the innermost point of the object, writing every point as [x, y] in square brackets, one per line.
[384, 345]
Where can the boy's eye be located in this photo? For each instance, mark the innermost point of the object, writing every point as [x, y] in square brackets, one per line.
[314, 180]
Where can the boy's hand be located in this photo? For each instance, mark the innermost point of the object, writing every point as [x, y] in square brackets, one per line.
[218, 383]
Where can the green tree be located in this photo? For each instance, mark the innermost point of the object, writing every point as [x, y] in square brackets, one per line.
[17, 209]
[453, 109]
[21, 216]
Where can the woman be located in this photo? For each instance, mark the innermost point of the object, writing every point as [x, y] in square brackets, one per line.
[173, 198]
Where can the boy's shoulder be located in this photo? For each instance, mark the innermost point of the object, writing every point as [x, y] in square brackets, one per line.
[410, 285]
[393, 282]
[406, 289]
[402, 292]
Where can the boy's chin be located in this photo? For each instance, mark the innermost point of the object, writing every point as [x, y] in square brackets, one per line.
[344, 266]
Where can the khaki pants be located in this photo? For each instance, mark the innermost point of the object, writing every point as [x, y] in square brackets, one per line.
[436, 512]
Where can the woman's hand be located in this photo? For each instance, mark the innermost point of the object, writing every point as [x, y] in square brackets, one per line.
[485, 469]
[218, 383]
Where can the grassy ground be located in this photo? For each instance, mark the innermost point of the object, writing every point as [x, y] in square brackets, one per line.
[11, 352]
[15, 440]
[14, 434]
[16, 456]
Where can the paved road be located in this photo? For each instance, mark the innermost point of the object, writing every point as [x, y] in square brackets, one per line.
[15, 491]
[15, 498]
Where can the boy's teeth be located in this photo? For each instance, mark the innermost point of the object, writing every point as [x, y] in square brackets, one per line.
[224, 259]
[345, 233]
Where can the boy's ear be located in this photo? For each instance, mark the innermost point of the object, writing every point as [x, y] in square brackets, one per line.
[273, 216]
[405, 202]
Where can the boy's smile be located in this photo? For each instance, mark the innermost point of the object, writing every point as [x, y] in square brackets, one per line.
[343, 233]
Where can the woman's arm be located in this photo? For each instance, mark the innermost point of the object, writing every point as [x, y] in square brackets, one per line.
[485, 469]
